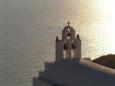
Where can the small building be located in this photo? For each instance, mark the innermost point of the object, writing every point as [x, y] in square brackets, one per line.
[69, 69]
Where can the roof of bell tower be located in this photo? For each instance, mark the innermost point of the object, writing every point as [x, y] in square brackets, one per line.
[68, 27]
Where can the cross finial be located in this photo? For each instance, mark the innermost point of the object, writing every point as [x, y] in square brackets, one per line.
[68, 23]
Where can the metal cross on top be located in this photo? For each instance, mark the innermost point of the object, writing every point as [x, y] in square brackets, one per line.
[68, 23]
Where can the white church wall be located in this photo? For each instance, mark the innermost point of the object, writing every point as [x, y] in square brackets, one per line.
[39, 82]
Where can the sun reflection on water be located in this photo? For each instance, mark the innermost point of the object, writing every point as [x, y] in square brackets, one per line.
[98, 28]
[106, 31]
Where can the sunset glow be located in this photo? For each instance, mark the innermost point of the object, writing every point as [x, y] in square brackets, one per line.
[105, 30]
[107, 6]
[99, 27]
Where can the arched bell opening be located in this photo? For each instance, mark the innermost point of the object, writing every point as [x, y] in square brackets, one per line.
[72, 50]
[65, 51]
[68, 33]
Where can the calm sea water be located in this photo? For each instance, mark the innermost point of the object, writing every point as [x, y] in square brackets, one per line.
[28, 29]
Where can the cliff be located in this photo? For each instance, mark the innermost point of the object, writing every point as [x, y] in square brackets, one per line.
[106, 60]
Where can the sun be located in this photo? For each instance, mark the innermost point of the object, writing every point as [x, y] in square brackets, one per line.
[107, 6]
[107, 10]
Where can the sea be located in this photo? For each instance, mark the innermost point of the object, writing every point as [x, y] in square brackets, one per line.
[28, 29]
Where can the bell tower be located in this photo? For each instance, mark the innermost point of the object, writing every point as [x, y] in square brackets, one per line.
[69, 47]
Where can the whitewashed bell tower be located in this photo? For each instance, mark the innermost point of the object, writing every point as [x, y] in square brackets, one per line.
[69, 47]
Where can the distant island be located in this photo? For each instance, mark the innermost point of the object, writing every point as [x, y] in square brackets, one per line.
[106, 60]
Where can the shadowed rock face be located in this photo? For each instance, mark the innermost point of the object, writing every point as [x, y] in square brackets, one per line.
[107, 60]
[70, 73]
